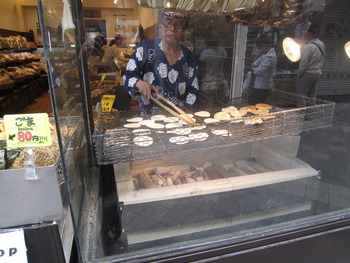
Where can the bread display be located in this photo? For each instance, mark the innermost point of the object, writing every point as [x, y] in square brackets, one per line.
[178, 132]
[12, 42]
[132, 125]
[38, 66]
[201, 136]
[135, 119]
[19, 74]
[211, 120]
[263, 106]
[6, 81]
[18, 57]
[150, 133]
[18, 67]
[202, 114]
[220, 132]
[260, 111]
[238, 113]
[143, 141]
[253, 120]
[248, 108]
[179, 139]
[222, 116]
[155, 125]
[158, 117]
[229, 109]
[281, 119]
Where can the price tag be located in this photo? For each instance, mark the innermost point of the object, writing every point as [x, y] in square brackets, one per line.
[12, 247]
[107, 103]
[27, 130]
[103, 76]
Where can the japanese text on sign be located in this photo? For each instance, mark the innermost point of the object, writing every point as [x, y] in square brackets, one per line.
[27, 130]
[107, 103]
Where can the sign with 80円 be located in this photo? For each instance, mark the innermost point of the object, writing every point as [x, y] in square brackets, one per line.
[27, 130]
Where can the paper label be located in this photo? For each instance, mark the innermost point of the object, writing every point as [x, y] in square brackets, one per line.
[107, 103]
[12, 247]
[27, 130]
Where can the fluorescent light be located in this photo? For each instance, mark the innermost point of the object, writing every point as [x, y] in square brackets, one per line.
[291, 48]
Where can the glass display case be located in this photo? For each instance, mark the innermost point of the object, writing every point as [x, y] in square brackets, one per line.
[229, 173]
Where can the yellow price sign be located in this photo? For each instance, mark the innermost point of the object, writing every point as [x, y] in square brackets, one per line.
[27, 130]
[107, 103]
[103, 76]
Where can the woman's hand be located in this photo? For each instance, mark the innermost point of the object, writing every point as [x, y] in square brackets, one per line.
[145, 88]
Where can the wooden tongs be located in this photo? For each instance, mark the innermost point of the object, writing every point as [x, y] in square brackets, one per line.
[181, 114]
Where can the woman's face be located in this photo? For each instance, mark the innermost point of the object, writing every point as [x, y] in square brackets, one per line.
[172, 30]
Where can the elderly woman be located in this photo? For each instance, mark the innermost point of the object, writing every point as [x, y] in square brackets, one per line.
[164, 66]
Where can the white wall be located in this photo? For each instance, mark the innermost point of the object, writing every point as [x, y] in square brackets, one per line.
[21, 15]
[9, 16]
[147, 16]
[30, 19]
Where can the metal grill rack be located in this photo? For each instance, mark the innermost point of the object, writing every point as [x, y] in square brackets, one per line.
[115, 144]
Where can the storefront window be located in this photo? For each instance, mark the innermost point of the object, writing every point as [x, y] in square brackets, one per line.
[260, 143]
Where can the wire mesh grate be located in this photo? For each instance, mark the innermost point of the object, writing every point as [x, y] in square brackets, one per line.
[291, 114]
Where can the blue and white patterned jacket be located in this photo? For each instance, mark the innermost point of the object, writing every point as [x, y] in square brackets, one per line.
[178, 82]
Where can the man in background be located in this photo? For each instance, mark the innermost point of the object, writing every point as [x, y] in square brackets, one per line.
[311, 63]
[301, 30]
[213, 82]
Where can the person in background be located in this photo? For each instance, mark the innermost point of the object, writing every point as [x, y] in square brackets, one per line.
[164, 65]
[97, 50]
[141, 33]
[263, 70]
[213, 83]
[199, 45]
[111, 52]
[300, 31]
[311, 63]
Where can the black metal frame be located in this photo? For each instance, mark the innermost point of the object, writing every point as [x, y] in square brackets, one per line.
[317, 243]
[78, 19]
[43, 244]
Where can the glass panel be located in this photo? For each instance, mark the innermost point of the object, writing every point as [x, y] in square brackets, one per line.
[65, 62]
[262, 157]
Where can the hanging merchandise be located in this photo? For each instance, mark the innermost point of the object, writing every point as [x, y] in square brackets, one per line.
[68, 26]
[276, 13]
